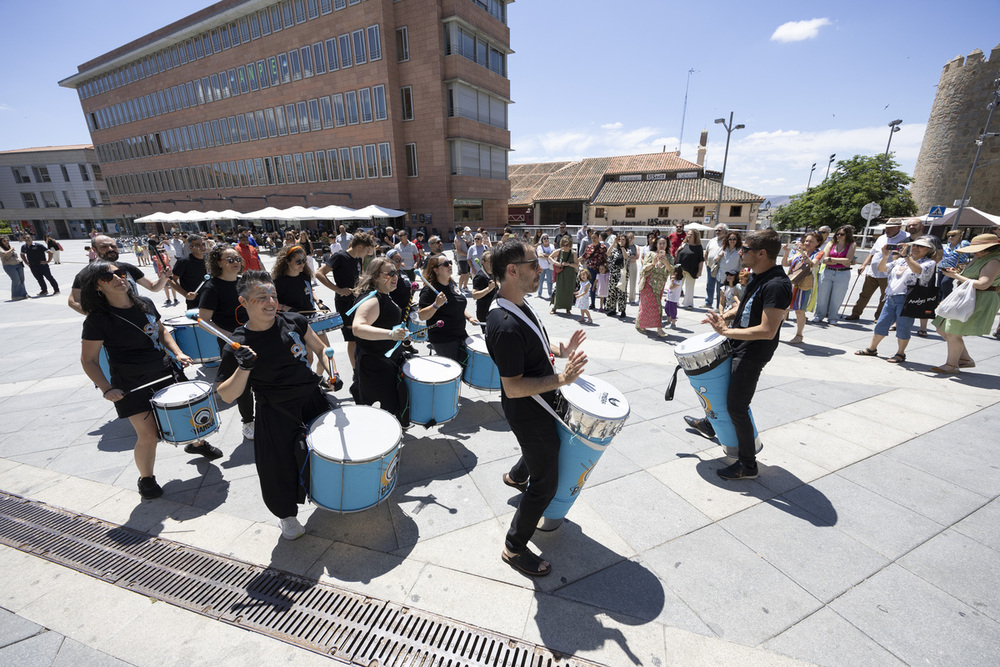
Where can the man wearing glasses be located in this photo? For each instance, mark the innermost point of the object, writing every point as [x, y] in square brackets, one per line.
[189, 273]
[753, 332]
[107, 249]
[561, 233]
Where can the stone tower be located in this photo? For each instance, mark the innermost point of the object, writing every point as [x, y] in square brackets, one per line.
[948, 148]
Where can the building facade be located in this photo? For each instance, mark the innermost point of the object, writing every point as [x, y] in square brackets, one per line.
[57, 191]
[247, 103]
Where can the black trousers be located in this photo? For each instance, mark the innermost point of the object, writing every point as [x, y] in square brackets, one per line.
[245, 401]
[378, 381]
[742, 386]
[539, 464]
[41, 272]
[452, 349]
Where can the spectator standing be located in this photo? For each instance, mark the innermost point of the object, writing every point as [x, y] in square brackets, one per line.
[251, 260]
[875, 279]
[713, 252]
[37, 257]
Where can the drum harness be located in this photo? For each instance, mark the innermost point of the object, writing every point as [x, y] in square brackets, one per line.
[152, 339]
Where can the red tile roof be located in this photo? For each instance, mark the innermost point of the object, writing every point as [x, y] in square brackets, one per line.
[678, 191]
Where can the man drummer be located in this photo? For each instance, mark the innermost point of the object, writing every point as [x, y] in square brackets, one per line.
[107, 249]
[346, 269]
[189, 274]
[755, 322]
[519, 346]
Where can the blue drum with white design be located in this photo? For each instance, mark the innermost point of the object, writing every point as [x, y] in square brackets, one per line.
[195, 342]
[480, 371]
[707, 361]
[434, 384]
[353, 454]
[105, 363]
[323, 322]
[186, 412]
[592, 413]
[416, 325]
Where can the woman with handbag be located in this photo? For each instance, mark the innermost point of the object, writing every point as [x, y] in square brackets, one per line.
[564, 265]
[984, 275]
[801, 264]
[913, 266]
[836, 276]
[14, 268]
[618, 264]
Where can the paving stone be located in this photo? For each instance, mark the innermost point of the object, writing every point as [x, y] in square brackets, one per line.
[959, 462]
[775, 406]
[983, 525]
[871, 435]
[694, 479]
[381, 575]
[40, 650]
[74, 654]
[807, 442]
[13, 628]
[825, 638]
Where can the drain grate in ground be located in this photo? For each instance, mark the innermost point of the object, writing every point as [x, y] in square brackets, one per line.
[319, 617]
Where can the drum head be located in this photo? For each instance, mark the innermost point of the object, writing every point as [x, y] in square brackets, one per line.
[354, 433]
[182, 393]
[477, 343]
[432, 370]
[700, 343]
[596, 397]
[177, 322]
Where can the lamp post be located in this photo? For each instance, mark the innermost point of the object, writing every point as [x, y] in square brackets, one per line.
[809, 182]
[991, 106]
[832, 156]
[893, 128]
[725, 160]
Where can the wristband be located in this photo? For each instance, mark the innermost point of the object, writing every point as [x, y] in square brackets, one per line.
[105, 394]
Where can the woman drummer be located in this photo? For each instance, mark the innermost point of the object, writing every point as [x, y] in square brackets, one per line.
[129, 328]
[271, 361]
[441, 300]
[293, 279]
[378, 328]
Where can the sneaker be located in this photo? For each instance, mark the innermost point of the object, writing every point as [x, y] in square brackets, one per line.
[204, 449]
[737, 471]
[248, 430]
[703, 426]
[148, 488]
[56, 292]
[291, 529]
[43, 293]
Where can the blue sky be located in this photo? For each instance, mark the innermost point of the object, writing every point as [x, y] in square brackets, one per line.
[595, 78]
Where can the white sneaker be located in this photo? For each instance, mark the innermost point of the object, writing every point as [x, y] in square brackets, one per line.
[291, 529]
[248, 430]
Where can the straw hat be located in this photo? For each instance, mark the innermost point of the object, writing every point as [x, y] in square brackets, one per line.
[981, 242]
[924, 241]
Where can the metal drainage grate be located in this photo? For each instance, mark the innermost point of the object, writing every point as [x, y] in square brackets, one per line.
[319, 617]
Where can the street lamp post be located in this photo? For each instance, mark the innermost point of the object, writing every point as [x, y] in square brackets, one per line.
[991, 105]
[809, 182]
[725, 160]
[828, 166]
[893, 128]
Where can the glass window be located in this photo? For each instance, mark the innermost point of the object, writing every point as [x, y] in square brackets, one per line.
[269, 170]
[345, 51]
[326, 111]
[199, 48]
[262, 76]
[217, 133]
[202, 139]
[62, 167]
[254, 26]
[224, 37]
[279, 170]
[334, 162]
[293, 122]
[241, 122]
[346, 171]
[339, 116]
[265, 22]
[352, 107]
[402, 44]
[272, 126]
[339, 4]
[242, 168]
[259, 165]
[312, 8]
[49, 199]
[276, 18]
[307, 61]
[371, 161]
[374, 43]
[332, 61]
[251, 126]
[206, 40]
[241, 76]
[310, 167]
[287, 13]
[226, 178]
[216, 87]
[69, 204]
[234, 33]
[206, 89]
[261, 124]
[300, 11]
[385, 160]
[314, 120]
[234, 82]
[365, 94]
[303, 117]
[358, 161]
[321, 166]
[273, 69]
[252, 76]
[286, 76]
[326, 6]
[319, 58]
[360, 53]
[296, 66]
[289, 169]
[407, 96]
[244, 29]
[279, 115]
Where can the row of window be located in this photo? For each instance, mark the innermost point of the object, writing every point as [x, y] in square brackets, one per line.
[461, 40]
[48, 199]
[241, 31]
[335, 53]
[41, 174]
[468, 102]
[470, 158]
[335, 164]
[735, 211]
[496, 8]
[362, 106]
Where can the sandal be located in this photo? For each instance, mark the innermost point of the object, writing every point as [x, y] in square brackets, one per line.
[966, 363]
[922, 333]
[867, 352]
[511, 482]
[945, 368]
[527, 563]
[897, 358]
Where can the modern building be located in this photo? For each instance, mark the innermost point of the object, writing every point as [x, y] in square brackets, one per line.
[250, 103]
[57, 191]
[655, 189]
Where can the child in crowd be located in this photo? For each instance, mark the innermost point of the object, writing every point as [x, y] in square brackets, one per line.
[730, 291]
[583, 297]
[91, 253]
[603, 284]
[674, 285]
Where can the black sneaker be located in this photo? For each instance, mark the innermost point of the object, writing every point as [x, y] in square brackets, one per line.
[204, 449]
[702, 425]
[737, 471]
[148, 488]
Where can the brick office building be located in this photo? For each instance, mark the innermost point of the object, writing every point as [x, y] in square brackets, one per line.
[401, 103]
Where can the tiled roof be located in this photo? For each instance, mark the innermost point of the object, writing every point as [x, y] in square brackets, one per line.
[678, 191]
[44, 149]
[526, 179]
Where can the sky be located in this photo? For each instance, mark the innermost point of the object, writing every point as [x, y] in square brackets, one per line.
[592, 79]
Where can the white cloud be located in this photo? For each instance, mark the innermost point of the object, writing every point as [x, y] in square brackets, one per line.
[5, 107]
[797, 31]
[612, 126]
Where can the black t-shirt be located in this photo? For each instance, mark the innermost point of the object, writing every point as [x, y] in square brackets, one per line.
[516, 350]
[134, 274]
[481, 282]
[689, 257]
[452, 313]
[389, 315]
[281, 372]
[771, 289]
[220, 297]
[295, 292]
[36, 253]
[345, 271]
[190, 272]
[401, 295]
[131, 338]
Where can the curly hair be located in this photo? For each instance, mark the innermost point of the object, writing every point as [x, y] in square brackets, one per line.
[91, 301]
[214, 257]
[285, 256]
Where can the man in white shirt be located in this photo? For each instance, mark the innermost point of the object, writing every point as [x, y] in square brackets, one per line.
[893, 236]
[343, 238]
[410, 254]
[715, 247]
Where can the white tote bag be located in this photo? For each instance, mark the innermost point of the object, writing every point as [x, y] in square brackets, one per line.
[959, 304]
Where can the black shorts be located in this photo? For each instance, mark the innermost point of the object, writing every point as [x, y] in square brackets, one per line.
[463, 267]
[138, 402]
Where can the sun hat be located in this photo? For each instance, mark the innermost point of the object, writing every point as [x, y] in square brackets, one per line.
[924, 242]
[981, 242]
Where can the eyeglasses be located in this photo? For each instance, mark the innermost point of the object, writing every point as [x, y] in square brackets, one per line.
[732, 238]
[440, 264]
[234, 260]
[108, 276]
[747, 248]
[391, 274]
[532, 262]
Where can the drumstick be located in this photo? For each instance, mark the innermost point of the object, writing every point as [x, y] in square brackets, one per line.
[148, 384]
[193, 315]
[207, 278]
[410, 334]
[479, 266]
[424, 281]
[329, 363]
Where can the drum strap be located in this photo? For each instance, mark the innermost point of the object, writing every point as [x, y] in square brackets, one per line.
[542, 334]
[360, 301]
[669, 394]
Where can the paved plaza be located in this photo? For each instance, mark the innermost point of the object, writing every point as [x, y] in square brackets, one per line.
[871, 537]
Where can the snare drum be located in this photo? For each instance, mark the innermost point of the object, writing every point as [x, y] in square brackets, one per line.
[416, 325]
[592, 412]
[323, 322]
[707, 361]
[195, 342]
[480, 371]
[185, 412]
[433, 384]
[353, 453]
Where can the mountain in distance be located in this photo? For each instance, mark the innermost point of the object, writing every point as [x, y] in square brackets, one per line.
[777, 200]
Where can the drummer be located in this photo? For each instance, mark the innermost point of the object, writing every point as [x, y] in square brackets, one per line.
[129, 328]
[293, 281]
[756, 320]
[402, 293]
[441, 300]
[346, 269]
[219, 304]
[377, 327]
[519, 346]
[484, 288]
[107, 249]
[272, 362]
[189, 273]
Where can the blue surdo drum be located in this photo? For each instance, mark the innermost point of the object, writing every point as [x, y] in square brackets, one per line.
[480, 371]
[591, 412]
[433, 384]
[195, 342]
[104, 363]
[323, 322]
[707, 360]
[185, 412]
[353, 453]
[414, 324]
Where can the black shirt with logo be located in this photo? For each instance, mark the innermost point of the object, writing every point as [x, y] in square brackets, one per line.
[771, 289]
[295, 292]
[131, 339]
[517, 350]
[220, 297]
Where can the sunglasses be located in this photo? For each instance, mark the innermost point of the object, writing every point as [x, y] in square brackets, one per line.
[300, 262]
[108, 276]
[747, 248]
[237, 260]
[532, 262]
[391, 274]
[440, 264]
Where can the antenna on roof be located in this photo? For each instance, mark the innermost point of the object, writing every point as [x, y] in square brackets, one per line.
[680, 141]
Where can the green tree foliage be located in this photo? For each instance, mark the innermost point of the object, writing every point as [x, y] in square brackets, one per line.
[838, 199]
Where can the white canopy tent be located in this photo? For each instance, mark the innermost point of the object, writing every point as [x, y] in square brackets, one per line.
[268, 213]
[373, 211]
[334, 212]
[971, 217]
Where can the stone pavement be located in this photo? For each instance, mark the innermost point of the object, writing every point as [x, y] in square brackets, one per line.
[872, 535]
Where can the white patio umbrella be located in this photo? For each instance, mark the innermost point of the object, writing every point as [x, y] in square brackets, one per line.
[373, 211]
[971, 217]
[268, 213]
[698, 227]
[334, 212]
[151, 217]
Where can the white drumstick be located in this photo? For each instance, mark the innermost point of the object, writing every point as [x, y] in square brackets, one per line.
[424, 281]
[148, 384]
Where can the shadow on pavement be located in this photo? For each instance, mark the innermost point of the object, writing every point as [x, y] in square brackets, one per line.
[813, 350]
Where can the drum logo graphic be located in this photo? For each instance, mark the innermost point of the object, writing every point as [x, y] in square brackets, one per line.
[608, 399]
[202, 420]
[388, 476]
[705, 403]
[584, 476]
[297, 349]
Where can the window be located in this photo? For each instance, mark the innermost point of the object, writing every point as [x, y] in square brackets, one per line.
[384, 160]
[699, 212]
[279, 170]
[265, 22]
[92, 196]
[261, 176]
[242, 169]
[735, 211]
[467, 102]
[326, 6]
[262, 128]
[234, 82]
[263, 79]
[334, 162]
[365, 94]
[374, 43]
[83, 172]
[272, 126]
[241, 76]
[49, 199]
[279, 113]
[254, 26]
[358, 161]
[303, 117]
[273, 69]
[300, 11]
[598, 212]
[371, 161]
[339, 115]
[664, 212]
[41, 174]
[402, 44]
[339, 4]
[244, 29]
[206, 39]
[352, 107]
[300, 168]
[286, 11]
[310, 167]
[276, 18]
[241, 122]
[326, 112]
[252, 76]
[345, 164]
[269, 170]
[319, 58]
[411, 159]
[224, 37]
[312, 8]
[217, 133]
[216, 89]
[469, 158]
[62, 167]
[21, 175]
[332, 60]
[630, 211]
[380, 108]
[407, 96]
[345, 50]
[224, 126]
[360, 54]
[29, 199]
[286, 76]
[296, 66]
[293, 122]
[314, 120]
[307, 64]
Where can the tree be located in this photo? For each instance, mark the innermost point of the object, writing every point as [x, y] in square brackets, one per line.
[838, 199]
